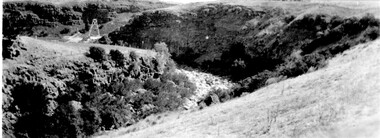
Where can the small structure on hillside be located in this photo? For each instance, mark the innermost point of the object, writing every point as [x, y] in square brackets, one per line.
[93, 34]
[94, 29]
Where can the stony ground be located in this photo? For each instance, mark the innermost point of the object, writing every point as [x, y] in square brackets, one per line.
[205, 83]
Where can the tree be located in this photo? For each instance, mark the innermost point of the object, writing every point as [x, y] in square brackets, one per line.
[97, 53]
[161, 48]
[117, 56]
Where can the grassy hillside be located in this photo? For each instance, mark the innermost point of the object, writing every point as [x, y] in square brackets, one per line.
[305, 61]
[62, 89]
[340, 100]
[58, 18]
[55, 89]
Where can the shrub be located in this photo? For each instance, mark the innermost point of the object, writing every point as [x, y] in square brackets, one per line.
[91, 120]
[125, 88]
[352, 26]
[335, 21]
[292, 68]
[114, 111]
[289, 18]
[117, 56]
[97, 53]
[31, 103]
[10, 48]
[161, 48]
[237, 69]
[316, 60]
[223, 95]
[105, 40]
[372, 33]
[133, 55]
[252, 83]
[369, 20]
[338, 48]
[177, 78]
[168, 100]
[65, 31]
[152, 84]
[275, 80]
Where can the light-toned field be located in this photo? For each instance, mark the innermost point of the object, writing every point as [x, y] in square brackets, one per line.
[341, 100]
[345, 8]
[51, 51]
[78, 1]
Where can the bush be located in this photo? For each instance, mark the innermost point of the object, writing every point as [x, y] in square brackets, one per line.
[105, 40]
[316, 60]
[338, 48]
[91, 120]
[352, 26]
[133, 55]
[161, 48]
[369, 20]
[65, 31]
[125, 88]
[289, 18]
[223, 95]
[292, 68]
[372, 33]
[97, 53]
[117, 56]
[335, 21]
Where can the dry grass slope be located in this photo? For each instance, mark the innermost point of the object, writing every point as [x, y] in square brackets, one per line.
[340, 100]
[51, 51]
[344, 8]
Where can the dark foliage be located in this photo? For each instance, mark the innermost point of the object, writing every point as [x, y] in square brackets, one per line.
[372, 33]
[133, 55]
[93, 100]
[216, 38]
[118, 57]
[97, 53]
[65, 31]
[289, 18]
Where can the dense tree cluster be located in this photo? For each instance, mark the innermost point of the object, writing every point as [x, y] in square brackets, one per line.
[80, 98]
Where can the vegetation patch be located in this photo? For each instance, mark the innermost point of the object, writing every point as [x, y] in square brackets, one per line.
[248, 46]
[89, 98]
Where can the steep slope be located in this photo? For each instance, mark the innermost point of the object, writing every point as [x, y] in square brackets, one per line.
[56, 89]
[244, 42]
[340, 100]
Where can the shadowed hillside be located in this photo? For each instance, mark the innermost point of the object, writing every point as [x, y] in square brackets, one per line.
[249, 45]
